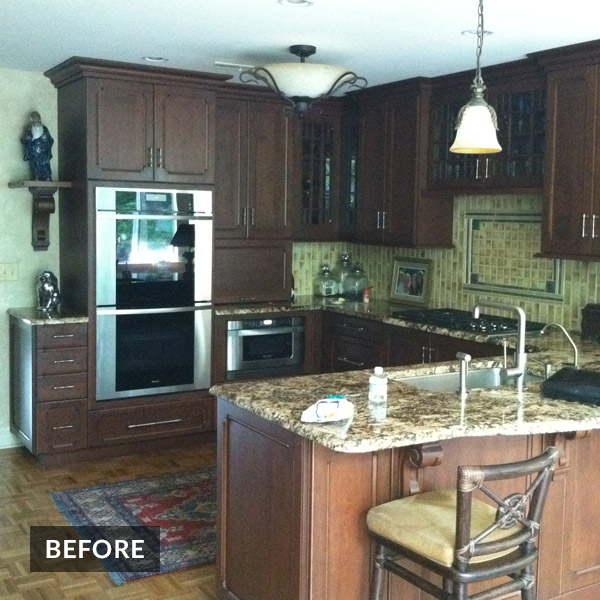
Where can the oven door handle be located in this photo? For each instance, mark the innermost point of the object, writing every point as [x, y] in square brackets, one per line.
[266, 331]
[151, 311]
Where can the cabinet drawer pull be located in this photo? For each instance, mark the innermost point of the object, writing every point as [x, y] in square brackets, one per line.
[583, 219]
[159, 158]
[151, 157]
[63, 387]
[594, 226]
[246, 298]
[352, 327]
[252, 217]
[64, 360]
[378, 212]
[350, 362]
[64, 335]
[136, 425]
[383, 213]
[62, 427]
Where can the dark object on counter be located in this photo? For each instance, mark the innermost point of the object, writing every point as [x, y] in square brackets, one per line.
[575, 385]
[47, 293]
[590, 322]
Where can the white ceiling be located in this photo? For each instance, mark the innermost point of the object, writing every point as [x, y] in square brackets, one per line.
[382, 40]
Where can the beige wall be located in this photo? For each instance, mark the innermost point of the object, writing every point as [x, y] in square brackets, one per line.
[20, 93]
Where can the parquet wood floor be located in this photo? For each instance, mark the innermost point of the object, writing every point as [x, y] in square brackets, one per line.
[25, 501]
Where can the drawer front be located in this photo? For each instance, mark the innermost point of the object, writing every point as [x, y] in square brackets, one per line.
[350, 354]
[120, 425]
[61, 360]
[61, 336]
[359, 328]
[61, 387]
[61, 426]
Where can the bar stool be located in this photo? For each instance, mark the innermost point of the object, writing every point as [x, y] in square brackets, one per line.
[461, 538]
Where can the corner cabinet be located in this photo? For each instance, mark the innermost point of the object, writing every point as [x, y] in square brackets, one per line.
[252, 161]
[391, 205]
[316, 176]
[572, 186]
[135, 123]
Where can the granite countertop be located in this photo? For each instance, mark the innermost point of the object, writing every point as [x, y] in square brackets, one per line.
[376, 310]
[417, 416]
[32, 316]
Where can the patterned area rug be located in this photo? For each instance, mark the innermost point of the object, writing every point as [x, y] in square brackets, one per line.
[183, 505]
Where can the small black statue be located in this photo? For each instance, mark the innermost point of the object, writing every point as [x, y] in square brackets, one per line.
[37, 145]
[48, 293]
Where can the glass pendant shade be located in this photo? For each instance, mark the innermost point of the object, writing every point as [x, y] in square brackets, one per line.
[476, 124]
[301, 83]
[476, 132]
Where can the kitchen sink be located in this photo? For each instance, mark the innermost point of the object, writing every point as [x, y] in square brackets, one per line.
[449, 382]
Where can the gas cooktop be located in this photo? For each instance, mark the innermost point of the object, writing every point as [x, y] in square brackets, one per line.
[463, 320]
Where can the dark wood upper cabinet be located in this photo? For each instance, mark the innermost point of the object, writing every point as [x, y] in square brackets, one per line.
[252, 162]
[517, 92]
[315, 174]
[133, 123]
[572, 179]
[391, 206]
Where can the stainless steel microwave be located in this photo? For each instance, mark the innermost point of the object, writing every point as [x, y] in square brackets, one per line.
[273, 346]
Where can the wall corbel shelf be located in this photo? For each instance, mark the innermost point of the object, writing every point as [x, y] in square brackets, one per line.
[42, 193]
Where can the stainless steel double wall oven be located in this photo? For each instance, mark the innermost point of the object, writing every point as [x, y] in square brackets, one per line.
[153, 291]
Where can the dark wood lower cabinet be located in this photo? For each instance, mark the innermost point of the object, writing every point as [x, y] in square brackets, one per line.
[415, 346]
[150, 422]
[350, 343]
[292, 513]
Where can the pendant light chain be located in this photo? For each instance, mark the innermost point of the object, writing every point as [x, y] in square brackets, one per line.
[480, 32]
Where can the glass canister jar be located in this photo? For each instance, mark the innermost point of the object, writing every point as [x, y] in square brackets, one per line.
[356, 282]
[342, 271]
[325, 283]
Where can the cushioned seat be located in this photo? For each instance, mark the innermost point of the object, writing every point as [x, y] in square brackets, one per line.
[463, 539]
[426, 524]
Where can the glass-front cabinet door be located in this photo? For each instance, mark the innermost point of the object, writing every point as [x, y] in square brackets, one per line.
[318, 180]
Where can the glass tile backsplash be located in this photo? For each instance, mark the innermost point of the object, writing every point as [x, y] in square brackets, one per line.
[580, 279]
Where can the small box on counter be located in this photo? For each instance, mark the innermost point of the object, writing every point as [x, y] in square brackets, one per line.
[590, 322]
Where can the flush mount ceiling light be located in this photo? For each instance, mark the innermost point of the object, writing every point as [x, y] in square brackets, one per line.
[295, 3]
[302, 84]
[155, 59]
[476, 123]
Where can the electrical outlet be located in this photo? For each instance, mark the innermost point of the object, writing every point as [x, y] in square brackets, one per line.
[8, 271]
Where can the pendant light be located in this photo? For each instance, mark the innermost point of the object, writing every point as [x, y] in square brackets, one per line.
[302, 84]
[477, 123]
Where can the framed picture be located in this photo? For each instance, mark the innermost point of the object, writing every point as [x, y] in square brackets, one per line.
[411, 280]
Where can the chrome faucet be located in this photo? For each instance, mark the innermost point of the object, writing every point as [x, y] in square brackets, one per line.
[559, 326]
[464, 360]
[517, 372]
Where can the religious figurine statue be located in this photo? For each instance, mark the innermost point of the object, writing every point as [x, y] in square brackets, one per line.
[48, 293]
[37, 145]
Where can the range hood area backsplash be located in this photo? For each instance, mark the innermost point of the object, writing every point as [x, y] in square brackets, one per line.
[581, 280]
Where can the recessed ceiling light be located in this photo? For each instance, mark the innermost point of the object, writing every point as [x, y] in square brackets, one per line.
[155, 59]
[294, 2]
